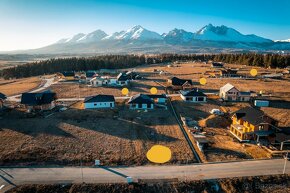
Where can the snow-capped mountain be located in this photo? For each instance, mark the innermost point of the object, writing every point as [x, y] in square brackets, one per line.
[136, 33]
[223, 33]
[138, 39]
[93, 36]
[178, 35]
[288, 40]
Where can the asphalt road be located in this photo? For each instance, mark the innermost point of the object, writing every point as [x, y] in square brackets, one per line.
[48, 83]
[10, 177]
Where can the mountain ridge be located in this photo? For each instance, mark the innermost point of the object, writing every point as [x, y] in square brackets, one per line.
[209, 39]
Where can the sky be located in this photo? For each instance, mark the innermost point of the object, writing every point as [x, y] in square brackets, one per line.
[27, 24]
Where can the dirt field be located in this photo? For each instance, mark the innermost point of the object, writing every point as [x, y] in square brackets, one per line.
[17, 86]
[116, 137]
[273, 184]
[73, 89]
[222, 145]
[195, 71]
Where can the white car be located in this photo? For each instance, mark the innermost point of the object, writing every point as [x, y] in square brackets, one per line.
[216, 112]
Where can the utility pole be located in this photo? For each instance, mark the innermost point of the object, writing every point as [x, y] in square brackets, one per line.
[286, 159]
[82, 171]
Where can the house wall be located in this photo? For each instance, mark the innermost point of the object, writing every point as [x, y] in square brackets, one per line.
[247, 128]
[143, 106]
[244, 98]
[98, 105]
[97, 83]
[121, 83]
[231, 95]
[193, 99]
[161, 100]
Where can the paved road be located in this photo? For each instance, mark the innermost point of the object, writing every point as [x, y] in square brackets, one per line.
[48, 83]
[10, 177]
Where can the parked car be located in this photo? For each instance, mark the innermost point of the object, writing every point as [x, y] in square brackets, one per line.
[216, 112]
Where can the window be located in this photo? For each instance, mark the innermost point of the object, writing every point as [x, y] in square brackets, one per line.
[95, 104]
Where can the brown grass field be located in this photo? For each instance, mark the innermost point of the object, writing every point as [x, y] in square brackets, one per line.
[17, 86]
[122, 136]
[116, 137]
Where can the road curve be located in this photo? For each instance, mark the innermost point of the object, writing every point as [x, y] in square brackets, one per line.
[48, 83]
[13, 176]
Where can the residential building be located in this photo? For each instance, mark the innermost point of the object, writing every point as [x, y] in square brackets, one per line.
[99, 101]
[39, 101]
[69, 76]
[217, 65]
[90, 75]
[180, 84]
[252, 124]
[230, 93]
[122, 79]
[158, 98]
[2, 99]
[141, 101]
[193, 96]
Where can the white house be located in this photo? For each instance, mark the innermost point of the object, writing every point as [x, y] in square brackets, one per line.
[141, 101]
[99, 101]
[193, 96]
[97, 81]
[230, 93]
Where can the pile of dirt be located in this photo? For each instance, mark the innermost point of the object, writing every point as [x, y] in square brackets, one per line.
[215, 122]
[277, 183]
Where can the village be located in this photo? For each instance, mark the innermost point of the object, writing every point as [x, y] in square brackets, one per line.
[203, 111]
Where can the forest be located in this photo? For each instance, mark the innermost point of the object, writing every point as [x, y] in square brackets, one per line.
[55, 65]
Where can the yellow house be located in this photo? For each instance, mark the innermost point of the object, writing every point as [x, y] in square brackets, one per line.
[252, 124]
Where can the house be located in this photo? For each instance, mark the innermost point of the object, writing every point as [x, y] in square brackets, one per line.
[180, 84]
[252, 124]
[217, 65]
[70, 75]
[158, 98]
[90, 75]
[97, 81]
[2, 99]
[99, 101]
[132, 75]
[229, 72]
[193, 96]
[230, 93]
[122, 79]
[39, 101]
[141, 101]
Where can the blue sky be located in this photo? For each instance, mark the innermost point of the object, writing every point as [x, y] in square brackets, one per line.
[35, 23]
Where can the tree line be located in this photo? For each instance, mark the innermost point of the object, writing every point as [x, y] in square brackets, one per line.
[128, 61]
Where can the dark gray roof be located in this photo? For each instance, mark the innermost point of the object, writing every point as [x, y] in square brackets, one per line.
[35, 99]
[193, 93]
[100, 98]
[179, 82]
[245, 93]
[122, 77]
[69, 73]
[155, 96]
[251, 115]
[140, 99]
[217, 64]
[2, 96]
[90, 74]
